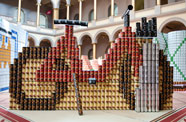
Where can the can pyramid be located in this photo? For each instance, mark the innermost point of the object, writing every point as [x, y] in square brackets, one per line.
[42, 78]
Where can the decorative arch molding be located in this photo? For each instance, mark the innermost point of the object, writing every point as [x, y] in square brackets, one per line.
[34, 39]
[171, 20]
[80, 41]
[99, 32]
[48, 38]
[116, 30]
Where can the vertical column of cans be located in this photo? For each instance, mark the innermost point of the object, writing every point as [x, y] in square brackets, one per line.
[70, 79]
[133, 53]
[32, 78]
[138, 100]
[15, 70]
[69, 46]
[127, 69]
[165, 71]
[168, 94]
[153, 76]
[139, 75]
[149, 82]
[133, 68]
[130, 95]
[19, 79]
[29, 82]
[39, 58]
[76, 65]
[137, 61]
[171, 87]
[36, 60]
[157, 80]
[62, 44]
[27, 56]
[36, 75]
[142, 81]
[11, 84]
[122, 70]
[115, 82]
[144, 85]
[161, 78]
[43, 101]
[70, 69]
[164, 82]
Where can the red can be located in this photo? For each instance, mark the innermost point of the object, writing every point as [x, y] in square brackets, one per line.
[129, 34]
[99, 76]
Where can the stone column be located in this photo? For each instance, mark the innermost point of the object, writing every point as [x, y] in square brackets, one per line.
[56, 4]
[68, 9]
[55, 16]
[158, 2]
[80, 53]
[133, 4]
[94, 51]
[38, 14]
[19, 12]
[112, 7]
[95, 9]
[80, 10]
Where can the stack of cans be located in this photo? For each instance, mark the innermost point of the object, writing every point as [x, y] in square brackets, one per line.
[155, 74]
[42, 78]
[165, 82]
[146, 29]
[147, 95]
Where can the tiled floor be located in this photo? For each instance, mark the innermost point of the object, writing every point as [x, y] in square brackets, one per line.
[93, 116]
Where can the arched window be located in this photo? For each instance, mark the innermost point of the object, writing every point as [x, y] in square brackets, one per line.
[22, 15]
[173, 26]
[115, 10]
[45, 43]
[91, 15]
[76, 17]
[43, 21]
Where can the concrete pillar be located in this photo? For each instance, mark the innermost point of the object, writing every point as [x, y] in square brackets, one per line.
[94, 51]
[55, 4]
[80, 10]
[38, 14]
[133, 4]
[80, 53]
[68, 9]
[19, 12]
[55, 16]
[158, 2]
[112, 7]
[95, 9]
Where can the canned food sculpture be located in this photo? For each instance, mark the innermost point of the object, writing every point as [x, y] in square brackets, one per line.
[135, 75]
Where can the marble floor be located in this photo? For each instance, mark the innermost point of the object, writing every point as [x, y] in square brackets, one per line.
[93, 116]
